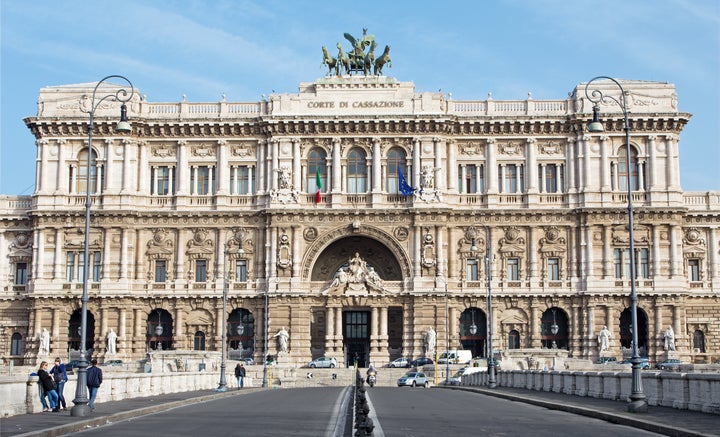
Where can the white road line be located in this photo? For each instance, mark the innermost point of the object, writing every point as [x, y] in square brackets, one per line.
[336, 425]
[377, 431]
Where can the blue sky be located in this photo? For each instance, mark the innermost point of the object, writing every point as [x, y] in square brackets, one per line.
[243, 49]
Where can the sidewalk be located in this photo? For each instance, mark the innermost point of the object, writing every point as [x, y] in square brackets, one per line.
[661, 420]
[61, 423]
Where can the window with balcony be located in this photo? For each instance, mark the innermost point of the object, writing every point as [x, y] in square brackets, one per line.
[356, 171]
[75, 266]
[162, 183]
[83, 175]
[621, 170]
[550, 177]
[16, 344]
[201, 180]
[471, 178]
[512, 178]
[242, 180]
[397, 159]
[316, 167]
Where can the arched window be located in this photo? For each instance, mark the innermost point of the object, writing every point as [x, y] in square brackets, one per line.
[513, 339]
[699, 341]
[83, 173]
[16, 344]
[622, 169]
[241, 332]
[199, 344]
[316, 165]
[75, 331]
[356, 171]
[159, 335]
[555, 329]
[626, 330]
[396, 159]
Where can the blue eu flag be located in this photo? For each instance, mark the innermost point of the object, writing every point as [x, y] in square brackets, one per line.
[405, 188]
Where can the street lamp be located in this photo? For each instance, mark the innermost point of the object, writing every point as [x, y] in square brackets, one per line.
[222, 384]
[492, 383]
[638, 402]
[122, 95]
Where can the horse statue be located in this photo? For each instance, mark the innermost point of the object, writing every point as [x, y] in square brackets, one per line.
[330, 62]
[370, 59]
[381, 61]
[342, 60]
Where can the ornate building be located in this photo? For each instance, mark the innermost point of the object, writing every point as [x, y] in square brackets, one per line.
[357, 214]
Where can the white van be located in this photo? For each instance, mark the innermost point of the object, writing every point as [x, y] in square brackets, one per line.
[455, 357]
[456, 379]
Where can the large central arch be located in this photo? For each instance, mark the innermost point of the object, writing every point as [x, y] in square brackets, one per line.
[331, 250]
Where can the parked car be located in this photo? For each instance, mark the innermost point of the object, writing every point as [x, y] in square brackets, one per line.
[413, 379]
[644, 363]
[607, 360]
[248, 361]
[456, 379]
[419, 362]
[669, 364]
[74, 364]
[400, 362]
[113, 363]
[323, 362]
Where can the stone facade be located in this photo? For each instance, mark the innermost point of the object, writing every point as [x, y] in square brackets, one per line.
[203, 197]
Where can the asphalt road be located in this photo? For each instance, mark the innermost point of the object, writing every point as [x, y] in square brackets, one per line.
[304, 412]
[416, 412]
[402, 412]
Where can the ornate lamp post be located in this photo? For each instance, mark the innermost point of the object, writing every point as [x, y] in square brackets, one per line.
[492, 383]
[222, 384]
[123, 95]
[638, 402]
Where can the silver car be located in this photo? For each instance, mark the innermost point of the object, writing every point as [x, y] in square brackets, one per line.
[413, 379]
[322, 362]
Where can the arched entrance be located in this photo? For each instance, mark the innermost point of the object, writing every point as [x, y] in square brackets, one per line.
[473, 331]
[74, 332]
[555, 330]
[241, 333]
[626, 330]
[160, 330]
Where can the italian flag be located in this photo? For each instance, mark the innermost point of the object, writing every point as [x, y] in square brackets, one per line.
[318, 185]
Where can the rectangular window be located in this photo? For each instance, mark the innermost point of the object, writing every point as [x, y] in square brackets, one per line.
[551, 178]
[471, 183]
[81, 266]
[200, 270]
[70, 267]
[514, 178]
[245, 180]
[20, 273]
[553, 269]
[621, 260]
[97, 267]
[617, 256]
[644, 263]
[161, 181]
[694, 270]
[241, 270]
[472, 269]
[160, 270]
[200, 180]
[513, 269]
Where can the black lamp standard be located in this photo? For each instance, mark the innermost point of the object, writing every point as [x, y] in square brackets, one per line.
[222, 384]
[123, 95]
[492, 383]
[638, 402]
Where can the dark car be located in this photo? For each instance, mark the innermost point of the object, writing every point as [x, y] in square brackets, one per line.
[419, 362]
[113, 363]
[644, 363]
[669, 364]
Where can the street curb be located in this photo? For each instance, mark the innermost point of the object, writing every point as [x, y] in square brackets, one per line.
[83, 425]
[619, 419]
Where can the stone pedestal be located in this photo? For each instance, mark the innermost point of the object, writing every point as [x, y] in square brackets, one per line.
[670, 355]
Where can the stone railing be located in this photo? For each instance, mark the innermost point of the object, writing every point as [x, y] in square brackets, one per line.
[684, 391]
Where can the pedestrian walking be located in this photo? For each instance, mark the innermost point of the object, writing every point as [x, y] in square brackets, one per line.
[59, 375]
[94, 379]
[240, 375]
[48, 386]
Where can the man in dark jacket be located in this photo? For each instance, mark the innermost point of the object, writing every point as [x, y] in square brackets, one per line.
[94, 379]
[59, 375]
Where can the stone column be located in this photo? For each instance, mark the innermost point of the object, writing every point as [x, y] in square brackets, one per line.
[127, 166]
[653, 163]
[58, 261]
[139, 334]
[713, 261]
[223, 167]
[672, 167]
[329, 329]
[452, 166]
[607, 261]
[532, 165]
[376, 167]
[336, 167]
[492, 170]
[62, 176]
[107, 239]
[338, 329]
[535, 340]
[440, 172]
[274, 164]
[656, 252]
[183, 186]
[179, 333]
[674, 258]
[261, 179]
[122, 330]
[124, 252]
[143, 146]
[570, 160]
[417, 152]
[39, 257]
[374, 330]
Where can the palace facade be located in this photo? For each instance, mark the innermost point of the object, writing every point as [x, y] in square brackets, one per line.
[358, 215]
